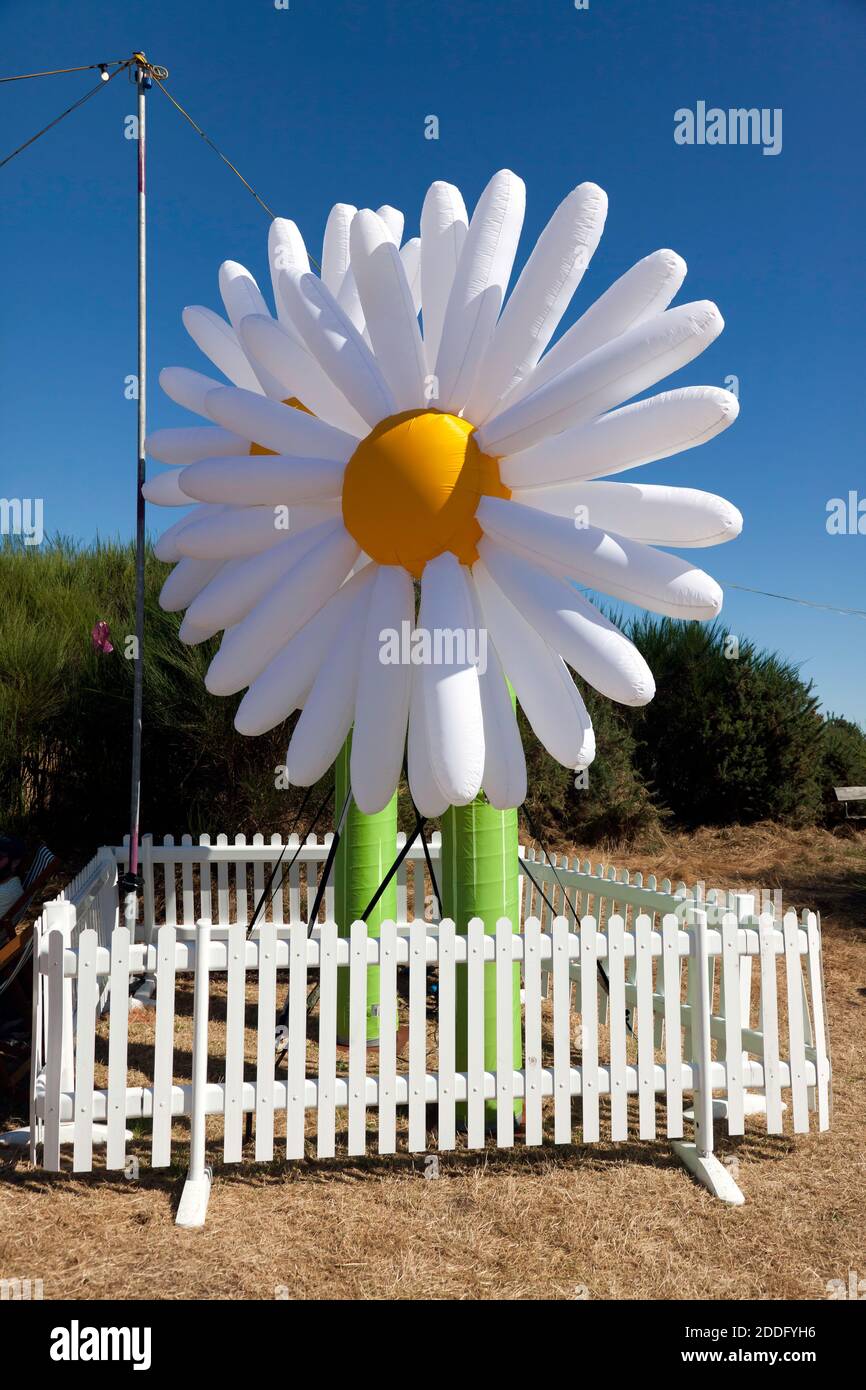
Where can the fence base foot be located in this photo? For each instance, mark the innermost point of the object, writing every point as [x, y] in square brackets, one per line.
[709, 1171]
[754, 1103]
[192, 1207]
[144, 997]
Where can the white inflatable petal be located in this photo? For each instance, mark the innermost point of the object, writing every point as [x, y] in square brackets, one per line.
[584, 638]
[181, 447]
[256, 480]
[636, 434]
[646, 512]
[218, 341]
[165, 547]
[642, 292]
[164, 490]
[452, 699]
[187, 388]
[186, 582]
[283, 684]
[191, 636]
[286, 251]
[478, 291]
[231, 532]
[240, 293]
[428, 796]
[279, 427]
[410, 255]
[382, 699]
[389, 310]
[443, 231]
[254, 642]
[612, 374]
[349, 303]
[338, 346]
[504, 780]
[327, 714]
[239, 586]
[393, 220]
[623, 568]
[191, 633]
[335, 247]
[540, 298]
[542, 683]
[242, 297]
[298, 373]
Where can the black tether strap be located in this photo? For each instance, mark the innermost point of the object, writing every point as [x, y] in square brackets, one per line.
[310, 828]
[410, 840]
[328, 865]
[429, 862]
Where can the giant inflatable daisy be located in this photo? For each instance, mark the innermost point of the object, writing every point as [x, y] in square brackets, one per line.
[354, 454]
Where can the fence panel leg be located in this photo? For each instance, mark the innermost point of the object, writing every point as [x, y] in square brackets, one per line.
[192, 1208]
[699, 1157]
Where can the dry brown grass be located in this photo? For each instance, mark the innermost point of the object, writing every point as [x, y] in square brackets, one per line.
[619, 1221]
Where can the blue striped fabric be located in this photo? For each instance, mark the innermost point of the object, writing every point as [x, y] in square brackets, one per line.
[42, 860]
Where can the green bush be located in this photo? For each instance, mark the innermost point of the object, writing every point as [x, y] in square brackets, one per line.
[844, 764]
[725, 739]
[65, 710]
[733, 734]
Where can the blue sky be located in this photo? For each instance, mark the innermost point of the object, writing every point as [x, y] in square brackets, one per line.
[323, 102]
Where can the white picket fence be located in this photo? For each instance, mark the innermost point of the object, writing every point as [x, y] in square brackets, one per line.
[705, 1000]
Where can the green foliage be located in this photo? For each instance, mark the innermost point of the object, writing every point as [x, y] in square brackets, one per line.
[614, 803]
[65, 710]
[844, 764]
[733, 734]
[725, 740]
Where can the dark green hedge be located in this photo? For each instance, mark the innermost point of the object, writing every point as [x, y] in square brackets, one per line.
[727, 739]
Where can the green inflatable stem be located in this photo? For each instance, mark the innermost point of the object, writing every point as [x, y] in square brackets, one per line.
[366, 852]
[480, 879]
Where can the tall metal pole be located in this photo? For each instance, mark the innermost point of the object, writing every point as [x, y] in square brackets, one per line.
[131, 882]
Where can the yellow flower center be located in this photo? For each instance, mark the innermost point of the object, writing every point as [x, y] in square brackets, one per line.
[412, 487]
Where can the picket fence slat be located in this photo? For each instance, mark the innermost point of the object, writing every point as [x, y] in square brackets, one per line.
[561, 1034]
[115, 1153]
[236, 1008]
[816, 987]
[733, 1028]
[417, 1036]
[672, 975]
[388, 1038]
[533, 1057]
[277, 867]
[796, 1035]
[770, 1025]
[163, 1060]
[326, 1118]
[589, 1028]
[85, 1048]
[296, 1041]
[188, 898]
[645, 1028]
[617, 1025]
[222, 885]
[447, 999]
[475, 1032]
[265, 1043]
[56, 1007]
[357, 1037]
[504, 1035]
